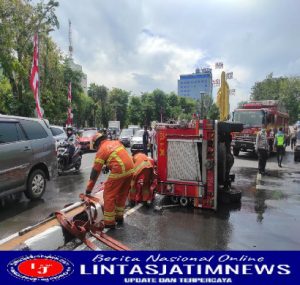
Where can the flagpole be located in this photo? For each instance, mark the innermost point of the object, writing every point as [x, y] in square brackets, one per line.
[38, 57]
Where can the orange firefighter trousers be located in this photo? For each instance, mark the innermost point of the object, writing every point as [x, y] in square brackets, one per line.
[115, 195]
[141, 192]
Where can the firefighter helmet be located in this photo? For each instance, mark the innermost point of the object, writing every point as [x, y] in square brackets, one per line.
[97, 138]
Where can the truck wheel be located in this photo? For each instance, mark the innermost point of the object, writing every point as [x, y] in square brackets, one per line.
[236, 151]
[36, 185]
[183, 201]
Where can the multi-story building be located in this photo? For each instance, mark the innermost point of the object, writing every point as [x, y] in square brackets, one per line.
[77, 67]
[196, 85]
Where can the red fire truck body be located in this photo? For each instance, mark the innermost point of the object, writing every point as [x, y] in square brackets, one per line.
[253, 116]
[187, 162]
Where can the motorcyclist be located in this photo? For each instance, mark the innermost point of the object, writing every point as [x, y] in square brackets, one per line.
[71, 140]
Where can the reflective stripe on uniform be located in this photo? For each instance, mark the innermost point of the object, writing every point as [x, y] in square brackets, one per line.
[120, 175]
[113, 154]
[118, 159]
[119, 210]
[141, 165]
[99, 160]
[109, 216]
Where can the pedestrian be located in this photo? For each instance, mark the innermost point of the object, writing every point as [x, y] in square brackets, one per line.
[279, 144]
[262, 147]
[145, 140]
[293, 137]
[143, 177]
[152, 134]
[116, 188]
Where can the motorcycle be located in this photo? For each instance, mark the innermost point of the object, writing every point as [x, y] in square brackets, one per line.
[64, 163]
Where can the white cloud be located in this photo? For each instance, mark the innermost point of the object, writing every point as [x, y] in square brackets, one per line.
[140, 45]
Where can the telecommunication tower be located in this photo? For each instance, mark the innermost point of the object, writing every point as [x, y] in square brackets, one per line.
[70, 40]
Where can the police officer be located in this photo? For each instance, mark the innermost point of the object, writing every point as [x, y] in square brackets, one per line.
[262, 147]
[279, 144]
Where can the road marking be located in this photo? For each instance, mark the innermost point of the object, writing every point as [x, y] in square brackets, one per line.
[266, 187]
[132, 210]
[92, 239]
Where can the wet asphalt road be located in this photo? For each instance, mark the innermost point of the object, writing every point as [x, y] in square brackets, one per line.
[266, 219]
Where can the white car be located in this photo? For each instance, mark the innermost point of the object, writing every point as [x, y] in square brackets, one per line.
[136, 142]
[59, 134]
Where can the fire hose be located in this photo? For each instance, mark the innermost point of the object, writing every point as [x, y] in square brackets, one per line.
[80, 229]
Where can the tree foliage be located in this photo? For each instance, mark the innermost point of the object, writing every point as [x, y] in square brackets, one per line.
[284, 89]
[19, 21]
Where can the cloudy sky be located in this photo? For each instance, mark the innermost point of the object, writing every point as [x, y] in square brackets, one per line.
[140, 45]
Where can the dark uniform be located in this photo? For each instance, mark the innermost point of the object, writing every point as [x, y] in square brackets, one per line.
[262, 147]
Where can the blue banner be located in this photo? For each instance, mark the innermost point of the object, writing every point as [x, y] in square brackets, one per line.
[151, 267]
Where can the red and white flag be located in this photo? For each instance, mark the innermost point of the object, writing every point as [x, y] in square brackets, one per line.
[70, 115]
[34, 76]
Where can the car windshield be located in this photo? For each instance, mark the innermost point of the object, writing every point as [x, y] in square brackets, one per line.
[126, 132]
[138, 134]
[249, 118]
[88, 133]
[56, 131]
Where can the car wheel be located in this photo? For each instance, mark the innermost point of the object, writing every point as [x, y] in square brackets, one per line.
[236, 151]
[77, 165]
[36, 185]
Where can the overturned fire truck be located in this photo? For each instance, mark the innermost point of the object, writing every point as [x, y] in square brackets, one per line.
[194, 161]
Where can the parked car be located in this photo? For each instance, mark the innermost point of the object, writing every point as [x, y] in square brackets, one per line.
[134, 128]
[27, 156]
[297, 148]
[126, 136]
[85, 139]
[59, 135]
[136, 143]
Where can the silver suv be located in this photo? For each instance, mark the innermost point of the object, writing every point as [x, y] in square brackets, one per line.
[27, 156]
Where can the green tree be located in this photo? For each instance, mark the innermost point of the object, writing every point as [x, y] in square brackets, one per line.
[99, 94]
[148, 109]
[6, 97]
[118, 101]
[19, 21]
[284, 89]
[213, 112]
[134, 110]
[160, 105]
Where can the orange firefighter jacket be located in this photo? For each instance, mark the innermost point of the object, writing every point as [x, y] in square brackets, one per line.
[141, 161]
[116, 158]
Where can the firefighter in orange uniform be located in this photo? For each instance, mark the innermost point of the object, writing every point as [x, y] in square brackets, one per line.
[116, 188]
[143, 181]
